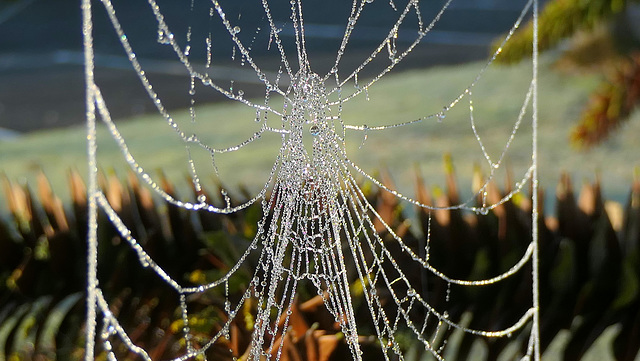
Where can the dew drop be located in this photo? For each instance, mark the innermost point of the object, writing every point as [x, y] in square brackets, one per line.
[411, 292]
[240, 94]
[144, 261]
[314, 130]
[236, 29]
[111, 356]
[164, 37]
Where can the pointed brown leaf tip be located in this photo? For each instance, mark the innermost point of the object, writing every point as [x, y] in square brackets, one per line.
[452, 188]
[615, 211]
[442, 216]
[587, 199]
[296, 321]
[564, 189]
[143, 194]
[114, 192]
[165, 184]
[44, 190]
[77, 187]
[387, 180]
[477, 181]
[311, 342]
[327, 344]
[8, 192]
[635, 189]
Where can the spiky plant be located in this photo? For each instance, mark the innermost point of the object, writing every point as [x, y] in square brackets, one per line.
[589, 272]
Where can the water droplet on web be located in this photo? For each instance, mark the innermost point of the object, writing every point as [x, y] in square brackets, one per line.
[314, 130]
[164, 37]
[411, 292]
[236, 29]
[144, 260]
[440, 116]
[369, 1]
[111, 356]
[111, 330]
[240, 94]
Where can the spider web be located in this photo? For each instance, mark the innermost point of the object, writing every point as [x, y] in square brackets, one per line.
[318, 224]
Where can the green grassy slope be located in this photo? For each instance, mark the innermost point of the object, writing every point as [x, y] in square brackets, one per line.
[396, 98]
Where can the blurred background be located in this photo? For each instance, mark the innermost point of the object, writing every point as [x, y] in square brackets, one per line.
[589, 126]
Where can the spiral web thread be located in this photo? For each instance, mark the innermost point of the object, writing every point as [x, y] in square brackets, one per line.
[316, 219]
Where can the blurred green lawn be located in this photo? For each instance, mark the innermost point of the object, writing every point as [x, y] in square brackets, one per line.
[396, 98]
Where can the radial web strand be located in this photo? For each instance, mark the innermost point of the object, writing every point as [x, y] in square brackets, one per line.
[321, 236]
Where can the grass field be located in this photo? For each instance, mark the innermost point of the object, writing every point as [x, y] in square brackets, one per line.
[396, 98]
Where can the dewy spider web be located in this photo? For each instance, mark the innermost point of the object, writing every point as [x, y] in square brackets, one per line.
[316, 219]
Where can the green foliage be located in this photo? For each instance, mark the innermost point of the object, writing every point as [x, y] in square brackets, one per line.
[559, 20]
[617, 96]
